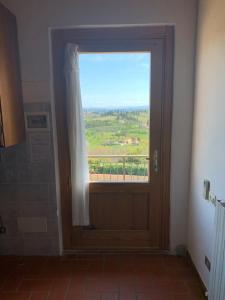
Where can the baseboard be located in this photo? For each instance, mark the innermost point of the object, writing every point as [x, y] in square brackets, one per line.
[197, 273]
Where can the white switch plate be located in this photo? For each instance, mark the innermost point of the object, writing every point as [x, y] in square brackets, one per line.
[212, 198]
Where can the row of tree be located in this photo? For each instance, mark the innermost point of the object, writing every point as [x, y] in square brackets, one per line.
[102, 167]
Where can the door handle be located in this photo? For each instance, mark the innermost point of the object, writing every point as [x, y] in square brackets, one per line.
[156, 161]
[69, 183]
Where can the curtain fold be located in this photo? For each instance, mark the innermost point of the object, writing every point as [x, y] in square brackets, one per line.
[77, 140]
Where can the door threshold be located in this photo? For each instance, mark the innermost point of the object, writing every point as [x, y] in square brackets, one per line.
[108, 251]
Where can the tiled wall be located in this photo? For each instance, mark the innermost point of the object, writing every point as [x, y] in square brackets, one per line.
[27, 189]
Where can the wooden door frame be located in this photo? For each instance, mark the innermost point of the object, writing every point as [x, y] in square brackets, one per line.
[94, 36]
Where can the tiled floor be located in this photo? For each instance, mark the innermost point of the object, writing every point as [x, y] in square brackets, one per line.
[103, 277]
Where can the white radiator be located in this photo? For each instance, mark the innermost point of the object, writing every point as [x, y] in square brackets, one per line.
[217, 274]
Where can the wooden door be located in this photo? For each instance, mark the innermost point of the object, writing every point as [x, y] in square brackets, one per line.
[124, 216]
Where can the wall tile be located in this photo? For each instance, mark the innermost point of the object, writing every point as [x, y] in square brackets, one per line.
[27, 189]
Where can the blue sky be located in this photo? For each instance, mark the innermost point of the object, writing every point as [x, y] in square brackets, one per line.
[115, 79]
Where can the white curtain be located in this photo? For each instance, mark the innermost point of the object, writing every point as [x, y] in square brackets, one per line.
[77, 141]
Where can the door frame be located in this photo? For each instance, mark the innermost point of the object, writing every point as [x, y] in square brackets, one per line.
[93, 37]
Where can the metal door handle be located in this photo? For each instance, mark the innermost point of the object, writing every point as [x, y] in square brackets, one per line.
[69, 183]
[155, 162]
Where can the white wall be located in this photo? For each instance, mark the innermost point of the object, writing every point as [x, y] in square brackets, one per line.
[209, 129]
[36, 16]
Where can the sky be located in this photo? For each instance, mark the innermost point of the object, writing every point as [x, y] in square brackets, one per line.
[115, 80]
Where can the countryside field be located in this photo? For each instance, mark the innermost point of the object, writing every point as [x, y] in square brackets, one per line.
[120, 132]
[117, 132]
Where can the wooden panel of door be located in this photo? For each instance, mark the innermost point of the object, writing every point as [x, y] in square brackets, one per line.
[119, 211]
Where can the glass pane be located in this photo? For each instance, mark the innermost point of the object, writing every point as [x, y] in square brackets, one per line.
[115, 91]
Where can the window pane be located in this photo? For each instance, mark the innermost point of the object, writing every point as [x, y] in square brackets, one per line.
[115, 91]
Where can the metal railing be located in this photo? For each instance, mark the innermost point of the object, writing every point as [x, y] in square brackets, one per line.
[118, 168]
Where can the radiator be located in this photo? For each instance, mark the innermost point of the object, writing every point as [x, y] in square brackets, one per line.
[217, 274]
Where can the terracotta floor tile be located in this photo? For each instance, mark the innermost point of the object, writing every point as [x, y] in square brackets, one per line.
[36, 285]
[153, 296]
[59, 289]
[39, 296]
[60, 285]
[110, 296]
[79, 266]
[102, 285]
[126, 280]
[170, 286]
[83, 296]
[14, 296]
[12, 283]
[152, 273]
[77, 284]
[57, 270]
[101, 277]
[30, 267]
[8, 267]
[199, 294]
[146, 282]
[127, 294]
[3, 279]
[55, 295]
[186, 297]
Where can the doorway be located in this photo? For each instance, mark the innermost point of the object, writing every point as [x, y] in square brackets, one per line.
[129, 209]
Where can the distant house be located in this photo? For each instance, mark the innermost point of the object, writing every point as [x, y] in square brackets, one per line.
[132, 141]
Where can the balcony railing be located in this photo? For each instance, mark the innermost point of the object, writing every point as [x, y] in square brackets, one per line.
[118, 168]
